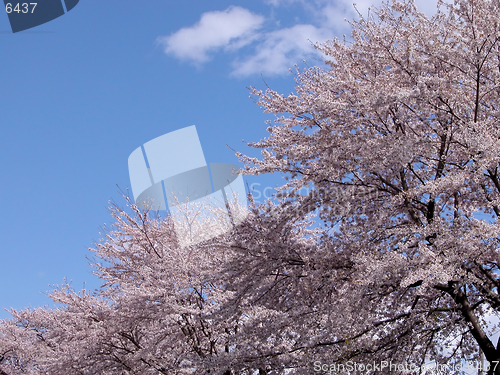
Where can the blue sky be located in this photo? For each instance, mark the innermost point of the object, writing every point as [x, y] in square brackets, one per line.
[80, 93]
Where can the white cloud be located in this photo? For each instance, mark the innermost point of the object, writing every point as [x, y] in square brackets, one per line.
[273, 52]
[334, 15]
[277, 3]
[348, 7]
[429, 7]
[221, 29]
[281, 49]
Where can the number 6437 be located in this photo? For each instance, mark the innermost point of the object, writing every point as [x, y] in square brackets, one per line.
[20, 8]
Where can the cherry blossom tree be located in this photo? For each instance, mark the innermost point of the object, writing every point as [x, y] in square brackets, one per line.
[396, 143]
[149, 316]
[162, 308]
